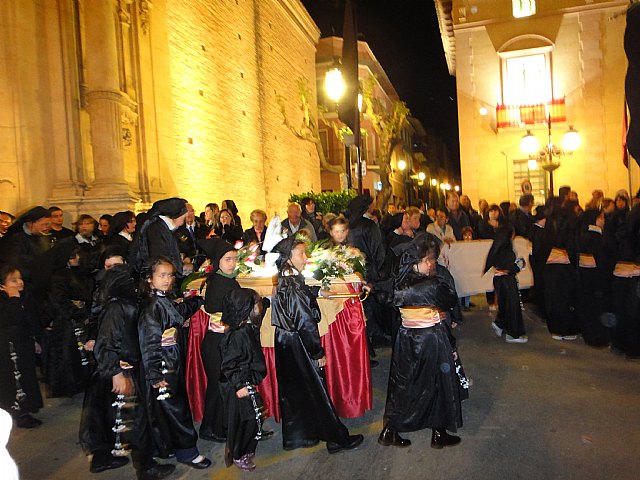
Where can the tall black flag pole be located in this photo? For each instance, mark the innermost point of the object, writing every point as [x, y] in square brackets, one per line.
[348, 110]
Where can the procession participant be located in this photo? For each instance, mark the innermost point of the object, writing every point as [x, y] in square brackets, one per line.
[308, 415]
[502, 258]
[591, 302]
[20, 392]
[423, 386]
[165, 393]
[231, 206]
[295, 222]
[206, 339]
[243, 368]
[155, 236]
[121, 231]
[117, 379]
[188, 235]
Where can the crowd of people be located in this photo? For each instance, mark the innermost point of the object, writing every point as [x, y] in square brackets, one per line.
[99, 310]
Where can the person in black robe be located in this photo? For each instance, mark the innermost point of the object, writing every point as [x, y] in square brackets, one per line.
[155, 237]
[117, 354]
[219, 283]
[164, 387]
[502, 258]
[67, 363]
[365, 235]
[243, 366]
[58, 230]
[308, 415]
[121, 231]
[591, 302]
[20, 392]
[559, 270]
[424, 388]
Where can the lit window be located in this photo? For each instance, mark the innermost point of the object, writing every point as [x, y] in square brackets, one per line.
[523, 8]
[526, 79]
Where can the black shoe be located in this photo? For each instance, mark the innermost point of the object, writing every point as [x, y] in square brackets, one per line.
[266, 435]
[157, 472]
[389, 437]
[300, 444]
[103, 460]
[27, 421]
[440, 439]
[212, 437]
[354, 441]
[201, 465]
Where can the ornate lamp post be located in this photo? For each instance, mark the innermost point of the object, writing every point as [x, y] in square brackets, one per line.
[549, 155]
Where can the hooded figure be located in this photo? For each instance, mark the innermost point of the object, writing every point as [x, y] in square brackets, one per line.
[115, 237]
[243, 365]
[117, 354]
[424, 389]
[503, 259]
[155, 238]
[365, 235]
[205, 335]
[308, 415]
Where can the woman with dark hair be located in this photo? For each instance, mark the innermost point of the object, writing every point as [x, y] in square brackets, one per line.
[309, 213]
[20, 392]
[121, 230]
[231, 206]
[308, 415]
[424, 389]
[228, 229]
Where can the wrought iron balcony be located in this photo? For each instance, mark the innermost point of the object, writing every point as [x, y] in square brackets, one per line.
[526, 115]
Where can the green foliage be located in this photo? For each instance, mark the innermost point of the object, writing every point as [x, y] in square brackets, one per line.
[334, 202]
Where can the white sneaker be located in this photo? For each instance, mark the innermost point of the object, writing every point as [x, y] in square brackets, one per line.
[520, 339]
[569, 337]
[557, 337]
[496, 329]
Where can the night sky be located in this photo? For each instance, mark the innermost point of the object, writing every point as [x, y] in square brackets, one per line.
[405, 38]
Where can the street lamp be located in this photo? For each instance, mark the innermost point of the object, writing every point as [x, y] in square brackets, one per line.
[402, 166]
[334, 83]
[549, 155]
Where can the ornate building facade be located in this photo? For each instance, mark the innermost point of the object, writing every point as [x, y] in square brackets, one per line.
[540, 66]
[112, 104]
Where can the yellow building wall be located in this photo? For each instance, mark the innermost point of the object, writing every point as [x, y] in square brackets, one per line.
[588, 68]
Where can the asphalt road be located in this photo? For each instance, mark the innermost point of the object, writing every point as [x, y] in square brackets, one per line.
[543, 410]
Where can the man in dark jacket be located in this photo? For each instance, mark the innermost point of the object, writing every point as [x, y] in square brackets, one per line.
[521, 219]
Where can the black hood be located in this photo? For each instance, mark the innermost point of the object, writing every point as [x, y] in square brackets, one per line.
[215, 248]
[117, 283]
[236, 306]
[358, 206]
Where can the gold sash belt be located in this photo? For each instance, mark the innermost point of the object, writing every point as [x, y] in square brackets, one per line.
[558, 256]
[168, 337]
[626, 270]
[215, 322]
[587, 261]
[419, 317]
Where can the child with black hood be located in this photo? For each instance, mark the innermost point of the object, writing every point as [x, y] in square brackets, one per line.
[503, 259]
[243, 368]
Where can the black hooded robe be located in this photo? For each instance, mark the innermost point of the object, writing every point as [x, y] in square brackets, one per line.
[170, 418]
[308, 415]
[423, 390]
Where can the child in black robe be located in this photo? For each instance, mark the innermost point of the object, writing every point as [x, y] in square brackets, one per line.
[243, 368]
[503, 259]
[165, 391]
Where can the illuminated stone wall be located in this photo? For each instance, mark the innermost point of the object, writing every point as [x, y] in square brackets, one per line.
[112, 104]
[228, 61]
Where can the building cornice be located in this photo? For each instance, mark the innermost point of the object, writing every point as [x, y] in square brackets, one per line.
[301, 18]
[445, 22]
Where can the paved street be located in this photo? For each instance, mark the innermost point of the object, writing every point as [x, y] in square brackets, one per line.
[546, 409]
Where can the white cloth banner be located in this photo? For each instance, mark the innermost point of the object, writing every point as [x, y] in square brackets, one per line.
[465, 261]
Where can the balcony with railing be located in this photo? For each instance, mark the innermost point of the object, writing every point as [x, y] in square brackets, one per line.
[519, 116]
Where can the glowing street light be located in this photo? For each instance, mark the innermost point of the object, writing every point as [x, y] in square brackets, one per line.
[402, 165]
[334, 84]
[421, 176]
[434, 182]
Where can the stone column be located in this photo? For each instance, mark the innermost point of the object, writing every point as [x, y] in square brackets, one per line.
[109, 108]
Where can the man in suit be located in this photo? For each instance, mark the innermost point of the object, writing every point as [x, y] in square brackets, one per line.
[189, 234]
[294, 222]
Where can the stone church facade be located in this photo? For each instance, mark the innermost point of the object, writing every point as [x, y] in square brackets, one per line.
[112, 104]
